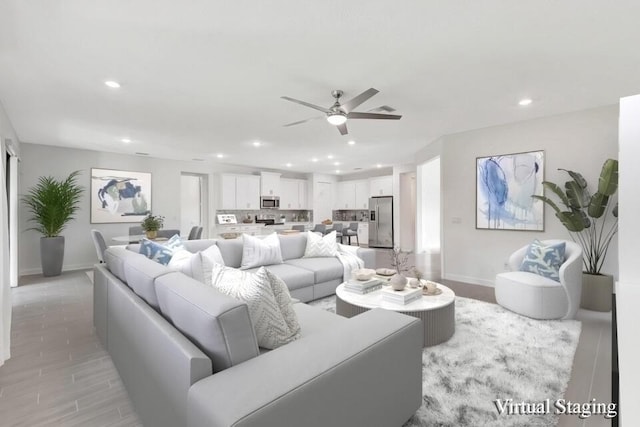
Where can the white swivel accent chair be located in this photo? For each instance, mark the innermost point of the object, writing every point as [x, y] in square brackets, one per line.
[539, 297]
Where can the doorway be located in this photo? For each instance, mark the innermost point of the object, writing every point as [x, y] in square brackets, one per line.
[193, 202]
[408, 211]
[428, 227]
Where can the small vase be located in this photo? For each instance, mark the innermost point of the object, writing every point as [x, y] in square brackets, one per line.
[398, 282]
[151, 234]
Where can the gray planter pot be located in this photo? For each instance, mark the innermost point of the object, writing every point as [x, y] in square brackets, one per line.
[597, 292]
[51, 255]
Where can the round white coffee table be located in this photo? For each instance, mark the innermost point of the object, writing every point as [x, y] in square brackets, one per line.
[436, 312]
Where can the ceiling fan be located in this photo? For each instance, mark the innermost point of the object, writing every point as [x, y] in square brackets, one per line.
[338, 113]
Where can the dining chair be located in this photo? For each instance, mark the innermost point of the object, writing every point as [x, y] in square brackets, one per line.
[195, 233]
[352, 231]
[168, 233]
[337, 227]
[101, 246]
[299, 227]
[320, 228]
[135, 230]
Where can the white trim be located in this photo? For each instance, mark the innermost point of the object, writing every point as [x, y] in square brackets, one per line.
[13, 220]
[467, 279]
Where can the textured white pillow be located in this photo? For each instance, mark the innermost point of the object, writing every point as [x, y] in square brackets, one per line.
[196, 265]
[181, 261]
[321, 246]
[255, 289]
[257, 252]
[285, 302]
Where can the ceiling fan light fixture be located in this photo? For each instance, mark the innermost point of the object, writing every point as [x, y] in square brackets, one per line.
[337, 119]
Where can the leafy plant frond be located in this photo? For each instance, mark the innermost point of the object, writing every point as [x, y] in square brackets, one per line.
[586, 215]
[53, 203]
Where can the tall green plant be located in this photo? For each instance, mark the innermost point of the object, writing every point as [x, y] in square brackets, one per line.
[53, 203]
[584, 215]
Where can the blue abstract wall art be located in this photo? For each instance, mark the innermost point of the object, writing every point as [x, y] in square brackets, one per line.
[119, 196]
[504, 185]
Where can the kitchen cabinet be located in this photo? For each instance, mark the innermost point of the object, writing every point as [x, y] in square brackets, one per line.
[362, 195]
[270, 184]
[294, 194]
[239, 192]
[381, 186]
[346, 195]
[363, 233]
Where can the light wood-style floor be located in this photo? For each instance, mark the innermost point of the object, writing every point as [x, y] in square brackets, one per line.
[59, 375]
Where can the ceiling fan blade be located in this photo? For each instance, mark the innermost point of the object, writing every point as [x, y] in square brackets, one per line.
[303, 121]
[306, 104]
[356, 115]
[354, 102]
[343, 129]
[385, 108]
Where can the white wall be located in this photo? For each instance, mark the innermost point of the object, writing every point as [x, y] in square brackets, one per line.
[579, 141]
[628, 287]
[39, 160]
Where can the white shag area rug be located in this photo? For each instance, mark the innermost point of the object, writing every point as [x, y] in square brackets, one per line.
[494, 354]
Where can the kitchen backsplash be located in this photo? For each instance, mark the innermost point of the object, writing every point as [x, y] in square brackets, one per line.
[289, 215]
[351, 215]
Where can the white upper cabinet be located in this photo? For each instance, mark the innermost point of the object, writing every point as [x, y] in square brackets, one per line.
[239, 192]
[346, 195]
[293, 194]
[381, 186]
[362, 195]
[270, 184]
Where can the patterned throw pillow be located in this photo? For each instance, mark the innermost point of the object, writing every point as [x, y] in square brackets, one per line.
[272, 330]
[155, 251]
[175, 242]
[544, 260]
[257, 252]
[285, 302]
[321, 246]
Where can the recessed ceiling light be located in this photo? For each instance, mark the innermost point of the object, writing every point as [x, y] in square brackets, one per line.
[378, 165]
[315, 159]
[524, 102]
[112, 84]
[288, 165]
[219, 155]
[352, 142]
[256, 143]
[125, 140]
[336, 164]
[330, 156]
[337, 170]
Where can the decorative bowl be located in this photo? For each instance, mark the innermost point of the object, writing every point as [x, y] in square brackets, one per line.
[363, 274]
[386, 271]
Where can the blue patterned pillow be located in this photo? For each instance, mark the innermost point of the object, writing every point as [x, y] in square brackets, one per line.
[544, 260]
[157, 252]
[175, 242]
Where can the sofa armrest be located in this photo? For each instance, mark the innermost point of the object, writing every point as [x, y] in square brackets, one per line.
[368, 256]
[368, 372]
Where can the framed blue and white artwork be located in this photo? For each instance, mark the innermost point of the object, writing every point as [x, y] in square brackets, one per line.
[119, 196]
[504, 186]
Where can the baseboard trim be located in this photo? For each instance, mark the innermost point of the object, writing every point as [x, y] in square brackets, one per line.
[72, 267]
[468, 279]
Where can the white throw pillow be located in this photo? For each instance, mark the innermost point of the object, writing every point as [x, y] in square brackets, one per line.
[321, 246]
[285, 302]
[181, 261]
[272, 331]
[196, 265]
[257, 252]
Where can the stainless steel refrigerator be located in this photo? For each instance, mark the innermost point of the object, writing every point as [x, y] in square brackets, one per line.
[381, 222]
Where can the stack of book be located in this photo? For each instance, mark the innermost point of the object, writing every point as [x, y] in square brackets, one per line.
[402, 297]
[362, 286]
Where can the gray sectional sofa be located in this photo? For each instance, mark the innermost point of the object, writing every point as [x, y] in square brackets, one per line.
[188, 355]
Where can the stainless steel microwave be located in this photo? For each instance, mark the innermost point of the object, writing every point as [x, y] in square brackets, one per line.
[270, 202]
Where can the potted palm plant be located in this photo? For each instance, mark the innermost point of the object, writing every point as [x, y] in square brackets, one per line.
[585, 215]
[151, 224]
[52, 204]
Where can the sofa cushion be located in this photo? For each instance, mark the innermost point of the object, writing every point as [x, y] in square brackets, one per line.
[293, 246]
[141, 275]
[115, 258]
[198, 245]
[218, 324]
[272, 331]
[231, 250]
[313, 319]
[257, 252]
[294, 277]
[324, 269]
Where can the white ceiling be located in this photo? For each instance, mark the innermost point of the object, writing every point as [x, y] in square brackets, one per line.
[205, 77]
